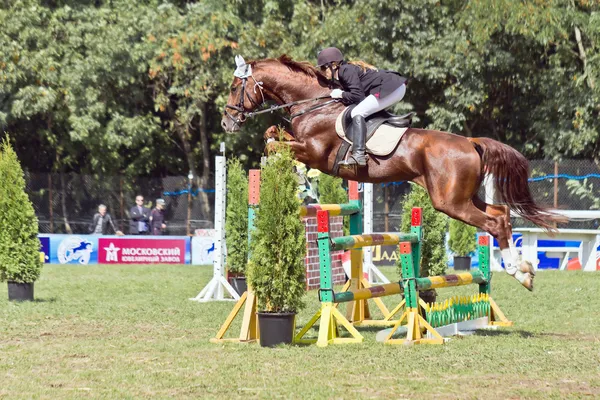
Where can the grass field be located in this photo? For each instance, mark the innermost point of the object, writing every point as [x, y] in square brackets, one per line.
[131, 332]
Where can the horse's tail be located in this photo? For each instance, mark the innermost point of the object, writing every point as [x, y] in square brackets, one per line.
[510, 170]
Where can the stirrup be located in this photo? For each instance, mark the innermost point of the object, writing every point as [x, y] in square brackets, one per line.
[352, 161]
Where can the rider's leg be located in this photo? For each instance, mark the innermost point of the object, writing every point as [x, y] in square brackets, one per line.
[358, 131]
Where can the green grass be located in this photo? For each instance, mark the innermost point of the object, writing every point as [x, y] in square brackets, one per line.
[131, 332]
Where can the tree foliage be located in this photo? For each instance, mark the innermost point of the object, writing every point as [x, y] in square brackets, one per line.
[138, 88]
[236, 219]
[462, 240]
[19, 246]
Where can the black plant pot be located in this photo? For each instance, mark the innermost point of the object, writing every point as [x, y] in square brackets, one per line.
[20, 291]
[239, 284]
[462, 263]
[276, 328]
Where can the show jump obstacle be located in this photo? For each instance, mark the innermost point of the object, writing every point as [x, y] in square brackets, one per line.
[417, 315]
[358, 311]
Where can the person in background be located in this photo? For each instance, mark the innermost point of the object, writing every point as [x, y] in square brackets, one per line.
[140, 217]
[157, 219]
[103, 223]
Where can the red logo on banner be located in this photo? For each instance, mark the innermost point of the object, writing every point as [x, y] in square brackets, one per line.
[141, 251]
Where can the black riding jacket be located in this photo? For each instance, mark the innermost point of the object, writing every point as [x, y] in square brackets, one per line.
[358, 84]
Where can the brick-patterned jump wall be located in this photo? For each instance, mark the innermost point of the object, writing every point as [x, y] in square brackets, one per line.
[312, 252]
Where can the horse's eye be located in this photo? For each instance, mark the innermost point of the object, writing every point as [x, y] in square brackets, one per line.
[233, 89]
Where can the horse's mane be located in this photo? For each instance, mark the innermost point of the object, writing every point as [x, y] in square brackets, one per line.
[303, 67]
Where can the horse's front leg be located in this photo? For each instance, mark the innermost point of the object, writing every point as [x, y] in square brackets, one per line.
[277, 133]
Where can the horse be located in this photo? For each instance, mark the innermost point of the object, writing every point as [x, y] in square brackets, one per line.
[450, 167]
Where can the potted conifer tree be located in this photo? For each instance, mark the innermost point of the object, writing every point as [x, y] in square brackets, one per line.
[236, 225]
[276, 270]
[20, 262]
[462, 243]
[433, 253]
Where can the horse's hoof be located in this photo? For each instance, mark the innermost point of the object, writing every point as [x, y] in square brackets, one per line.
[269, 140]
[527, 267]
[528, 282]
[525, 279]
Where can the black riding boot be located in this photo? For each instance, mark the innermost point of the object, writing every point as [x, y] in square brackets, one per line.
[359, 137]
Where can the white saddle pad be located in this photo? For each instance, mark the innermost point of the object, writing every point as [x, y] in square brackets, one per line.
[383, 142]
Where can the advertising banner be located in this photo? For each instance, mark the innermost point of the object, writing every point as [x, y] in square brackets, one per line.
[70, 249]
[203, 247]
[94, 249]
[116, 250]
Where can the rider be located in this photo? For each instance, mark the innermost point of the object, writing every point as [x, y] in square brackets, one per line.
[371, 89]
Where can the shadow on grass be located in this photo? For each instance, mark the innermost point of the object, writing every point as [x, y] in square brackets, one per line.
[541, 335]
[499, 332]
[46, 300]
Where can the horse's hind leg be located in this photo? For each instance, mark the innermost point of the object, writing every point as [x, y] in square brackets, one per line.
[459, 203]
[503, 212]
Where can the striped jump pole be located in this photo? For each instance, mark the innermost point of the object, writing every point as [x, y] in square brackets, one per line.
[432, 282]
[374, 239]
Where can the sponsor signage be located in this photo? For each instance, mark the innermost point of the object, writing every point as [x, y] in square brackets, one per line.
[97, 249]
[203, 247]
[116, 250]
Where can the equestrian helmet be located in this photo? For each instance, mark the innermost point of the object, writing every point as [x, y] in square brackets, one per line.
[328, 56]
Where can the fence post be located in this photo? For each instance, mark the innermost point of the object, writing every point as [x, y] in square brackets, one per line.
[50, 202]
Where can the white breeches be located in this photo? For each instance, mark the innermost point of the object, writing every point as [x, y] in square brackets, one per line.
[371, 104]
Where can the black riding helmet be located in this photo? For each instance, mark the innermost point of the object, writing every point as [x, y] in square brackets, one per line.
[328, 56]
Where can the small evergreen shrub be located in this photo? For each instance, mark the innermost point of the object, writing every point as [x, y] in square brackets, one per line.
[331, 190]
[276, 270]
[236, 217]
[462, 238]
[433, 251]
[19, 245]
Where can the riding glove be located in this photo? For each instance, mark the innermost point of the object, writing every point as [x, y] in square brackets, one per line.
[336, 93]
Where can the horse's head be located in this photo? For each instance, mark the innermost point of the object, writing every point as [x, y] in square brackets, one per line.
[246, 94]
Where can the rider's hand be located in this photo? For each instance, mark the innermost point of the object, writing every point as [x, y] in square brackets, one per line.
[336, 93]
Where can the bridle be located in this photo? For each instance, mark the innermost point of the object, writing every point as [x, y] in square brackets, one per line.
[243, 114]
[240, 106]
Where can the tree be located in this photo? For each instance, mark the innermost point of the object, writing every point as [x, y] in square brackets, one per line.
[19, 246]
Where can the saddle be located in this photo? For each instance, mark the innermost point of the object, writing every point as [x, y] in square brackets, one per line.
[384, 131]
[376, 120]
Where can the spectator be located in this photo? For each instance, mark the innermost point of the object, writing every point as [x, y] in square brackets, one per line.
[102, 222]
[157, 219]
[140, 217]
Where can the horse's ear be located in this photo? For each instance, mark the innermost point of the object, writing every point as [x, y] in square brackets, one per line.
[239, 61]
[242, 70]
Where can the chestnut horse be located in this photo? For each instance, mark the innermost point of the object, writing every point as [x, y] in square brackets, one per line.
[450, 167]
